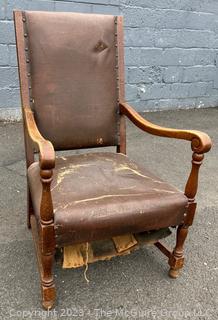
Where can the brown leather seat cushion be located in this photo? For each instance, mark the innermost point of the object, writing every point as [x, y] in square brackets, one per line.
[100, 195]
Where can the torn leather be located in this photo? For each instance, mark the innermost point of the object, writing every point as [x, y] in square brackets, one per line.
[76, 255]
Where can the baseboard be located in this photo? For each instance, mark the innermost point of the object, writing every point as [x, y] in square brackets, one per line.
[10, 114]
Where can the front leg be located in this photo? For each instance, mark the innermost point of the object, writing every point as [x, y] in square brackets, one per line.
[47, 242]
[176, 260]
[47, 281]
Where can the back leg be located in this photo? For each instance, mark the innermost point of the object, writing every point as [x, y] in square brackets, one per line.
[29, 207]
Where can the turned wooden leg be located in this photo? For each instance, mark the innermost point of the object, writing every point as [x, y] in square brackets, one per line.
[47, 281]
[176, 260]
[45, 264]
[47, 241]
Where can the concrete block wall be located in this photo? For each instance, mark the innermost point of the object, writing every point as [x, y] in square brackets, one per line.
[171, 53]
[171, 50]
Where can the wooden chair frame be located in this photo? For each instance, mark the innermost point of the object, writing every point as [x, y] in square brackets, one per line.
[43, 233]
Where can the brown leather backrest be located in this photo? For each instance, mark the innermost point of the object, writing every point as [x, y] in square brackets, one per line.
[72, 67]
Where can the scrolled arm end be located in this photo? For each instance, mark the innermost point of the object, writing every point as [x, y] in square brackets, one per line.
[201, 142]
[46, 155]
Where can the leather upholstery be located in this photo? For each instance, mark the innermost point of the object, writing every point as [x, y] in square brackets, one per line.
[100, 195]
[73, 76]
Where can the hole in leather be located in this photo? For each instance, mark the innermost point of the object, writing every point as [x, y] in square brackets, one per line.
[100, 46]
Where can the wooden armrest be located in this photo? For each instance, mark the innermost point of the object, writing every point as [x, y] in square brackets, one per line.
[46, 149]
[200, 141]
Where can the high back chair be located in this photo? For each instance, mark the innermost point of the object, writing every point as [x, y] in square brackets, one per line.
[71, 69]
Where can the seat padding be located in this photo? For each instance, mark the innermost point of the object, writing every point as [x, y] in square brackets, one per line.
[100, 195]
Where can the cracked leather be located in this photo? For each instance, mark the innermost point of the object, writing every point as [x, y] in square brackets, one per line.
[101, 195]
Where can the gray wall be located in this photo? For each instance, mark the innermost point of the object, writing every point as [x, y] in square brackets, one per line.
[171, 50]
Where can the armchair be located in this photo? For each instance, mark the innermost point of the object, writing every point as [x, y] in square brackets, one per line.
[71, 70]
